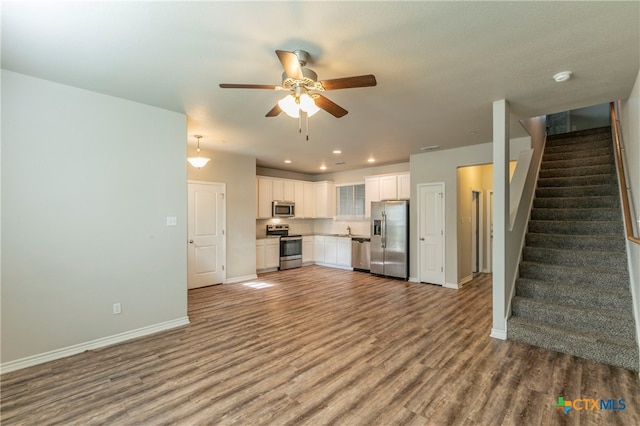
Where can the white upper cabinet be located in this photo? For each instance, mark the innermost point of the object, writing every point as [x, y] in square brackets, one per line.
[325, 199]
[278, 190]
[312, 199]
[265, 197]
[404, 186]
[309, 200]
[288, 192]
[386, 187]
[298, 198]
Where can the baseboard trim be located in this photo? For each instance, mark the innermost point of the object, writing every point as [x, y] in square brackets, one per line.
[450, 285]
[92, 344]
[241, 278]
[498, 334]
[465, 280]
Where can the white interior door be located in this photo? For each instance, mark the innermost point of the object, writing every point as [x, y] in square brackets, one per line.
[206, 233]
[431, 233]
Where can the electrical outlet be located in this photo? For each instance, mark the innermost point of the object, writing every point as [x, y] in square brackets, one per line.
[117, 308]
[172, 221]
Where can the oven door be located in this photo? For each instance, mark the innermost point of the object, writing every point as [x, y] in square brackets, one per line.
[290, 246]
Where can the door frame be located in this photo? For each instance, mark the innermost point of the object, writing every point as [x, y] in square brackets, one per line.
[224, 226]
[489, 231]
[440, 184]
[477, 221]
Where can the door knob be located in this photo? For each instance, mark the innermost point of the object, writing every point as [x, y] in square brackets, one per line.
[190, 241]
[421, 239]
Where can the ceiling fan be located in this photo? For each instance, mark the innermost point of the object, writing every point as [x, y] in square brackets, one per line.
[304, 88]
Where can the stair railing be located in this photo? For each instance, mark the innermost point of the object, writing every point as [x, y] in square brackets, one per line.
[626, 189]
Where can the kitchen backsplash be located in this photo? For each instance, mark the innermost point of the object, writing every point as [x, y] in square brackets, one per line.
[317, 226]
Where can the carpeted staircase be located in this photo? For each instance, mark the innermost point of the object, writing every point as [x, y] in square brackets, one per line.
[573, 293]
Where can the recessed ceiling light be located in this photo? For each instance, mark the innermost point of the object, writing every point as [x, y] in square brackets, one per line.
[337, 151]
[323, 167]
[371, 160]
[287, 161]
[562, 76]
[429, 148]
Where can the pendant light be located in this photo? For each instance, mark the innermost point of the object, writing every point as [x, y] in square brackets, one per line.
[198, 162]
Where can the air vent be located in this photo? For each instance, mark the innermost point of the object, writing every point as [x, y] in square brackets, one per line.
[339, 163]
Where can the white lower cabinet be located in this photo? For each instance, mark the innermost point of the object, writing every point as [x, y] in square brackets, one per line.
[318, 248]
[307, 249]
[267, 253]
[331, 250]
[344, 252]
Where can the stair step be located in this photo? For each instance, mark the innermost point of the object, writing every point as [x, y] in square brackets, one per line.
[588, 180]
[617, 352]
[578, 162]
[581, 135]
[591, 320]
[579, 171]
[602, 279]
[577, 191]
[575, 295]
[576, 214]
[581, 146]
[577, 242]
[588, 227]
[609, 201]
[584, 258]
[578, 152]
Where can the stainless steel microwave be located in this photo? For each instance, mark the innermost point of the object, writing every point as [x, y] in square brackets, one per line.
[283, 209]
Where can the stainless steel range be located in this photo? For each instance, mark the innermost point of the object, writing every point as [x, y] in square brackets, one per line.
[290, 246]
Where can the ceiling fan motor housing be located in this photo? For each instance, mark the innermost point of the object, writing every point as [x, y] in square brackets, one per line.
[309, 80]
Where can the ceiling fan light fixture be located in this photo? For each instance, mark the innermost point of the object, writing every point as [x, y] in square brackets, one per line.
[289, 105]
[308, 105]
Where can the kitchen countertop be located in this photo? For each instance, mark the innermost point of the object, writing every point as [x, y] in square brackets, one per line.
[263, 236]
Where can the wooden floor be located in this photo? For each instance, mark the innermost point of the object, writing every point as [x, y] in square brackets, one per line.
[321, 346]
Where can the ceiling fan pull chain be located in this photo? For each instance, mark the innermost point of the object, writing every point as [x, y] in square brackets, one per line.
[307, 124]
[299, 124]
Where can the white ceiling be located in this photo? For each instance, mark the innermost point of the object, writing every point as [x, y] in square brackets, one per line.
[439, 66]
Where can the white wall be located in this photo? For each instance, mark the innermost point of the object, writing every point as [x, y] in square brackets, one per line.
[239, 174]
[442, 166]
[87, 183]
[630, 123]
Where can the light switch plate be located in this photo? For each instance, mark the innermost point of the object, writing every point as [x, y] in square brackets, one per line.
[172, 221]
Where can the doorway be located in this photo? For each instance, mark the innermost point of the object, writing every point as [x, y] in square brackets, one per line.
[431, 233]
[476, 232]
[206, 224]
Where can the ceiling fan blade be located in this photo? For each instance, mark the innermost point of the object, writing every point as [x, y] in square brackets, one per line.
[349, 82]
[330, 106]
[290, 63]
[247, 86]
[274, 111]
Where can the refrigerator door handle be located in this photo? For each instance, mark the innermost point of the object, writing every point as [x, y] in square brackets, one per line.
[384, 231]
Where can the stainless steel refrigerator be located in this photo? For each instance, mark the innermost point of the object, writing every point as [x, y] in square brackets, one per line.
[390, 238]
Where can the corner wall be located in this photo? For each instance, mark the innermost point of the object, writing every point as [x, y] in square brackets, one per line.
[239, 174]
[87, 183]
[442, 166]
